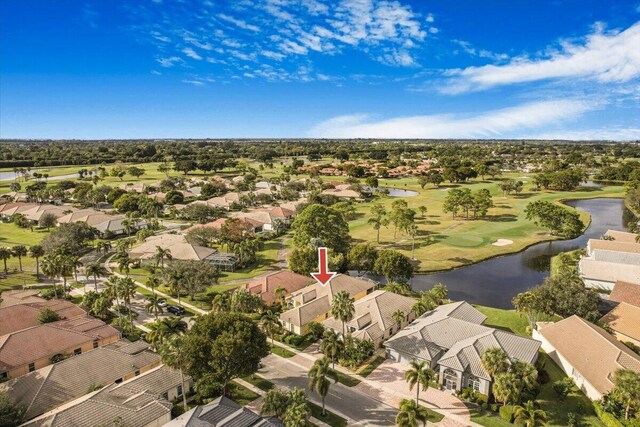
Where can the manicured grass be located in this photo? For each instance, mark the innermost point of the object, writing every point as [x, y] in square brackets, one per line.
[259, 382]
[557, 409]
[282, 352]
[240, 394]
[566, 259]
[372, 366]
[347, 380]
[509, 320]
[12, 235]
[266, 257]
[434, 417]
[489, 420]
[330, 418]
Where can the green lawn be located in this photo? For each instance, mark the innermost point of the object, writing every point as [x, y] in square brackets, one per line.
[372, 366]
[330, 418]
[240, 394]
[259, 382]
[282, 352]
[508, 320]
[12, 235]
[489, 420]
[347, 380]
[266, 257]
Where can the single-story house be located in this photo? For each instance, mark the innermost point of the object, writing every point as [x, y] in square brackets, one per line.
[19, 296]
[611, 245]
[586, 353]
[604, 274]
[373, 317]
[222, 412]
[451, 340]
[250, 225]
[625, 292]
[343, 194]
[224, 201]
[9, 209]
[266, 286]
[313, 303]
[33, 348]
[621, 236]
[52, 386]
[624, 321]
[22, 316]
[34, 214]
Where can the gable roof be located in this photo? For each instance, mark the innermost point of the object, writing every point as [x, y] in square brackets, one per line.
[612, 245]
[28, 345]
[42, 390]
[19, 296]
[609, 271]
[177, 244]
[621, 236]
[266, 286]
[591, 351]
[625, 319]
[616, 257]
[22, 316]
[625, 292]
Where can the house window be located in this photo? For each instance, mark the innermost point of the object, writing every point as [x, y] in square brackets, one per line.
[95, 344]
[165, 395]
[32, 367]
[136, 373]
[118, 381]
[77, 351]
[4, 376]
[179, 390]
[474, 383]
[450, 379]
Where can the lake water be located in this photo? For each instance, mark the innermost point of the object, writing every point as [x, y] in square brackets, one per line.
[395, 192]
[496, 281]
[10, 176]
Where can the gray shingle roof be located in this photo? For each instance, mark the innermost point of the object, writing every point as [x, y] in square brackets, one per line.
[222, 412]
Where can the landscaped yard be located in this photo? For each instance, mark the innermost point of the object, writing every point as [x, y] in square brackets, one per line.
[282, 352]
[240, 394]
[508, 320]
[372, 366]
[330, 418]
[259, 382]
[12, 235]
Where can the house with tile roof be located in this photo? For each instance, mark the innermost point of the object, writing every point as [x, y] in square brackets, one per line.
[313, 303]
[222, 412]
[625, 292]
[266, 286]
[612, 245]
[139, 402]
[621, 236]
[47, 388]
[451, 339]
[373, 318]
[22, 316]
[33, 348]
[624, 321]
[599, 274]
[591, 355]
[19, 296]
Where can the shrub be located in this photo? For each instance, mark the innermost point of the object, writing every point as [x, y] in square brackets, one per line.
[494, 407]
[562, 387]
[609, 420]
[316, 330]
[506, 413]
[46, 315]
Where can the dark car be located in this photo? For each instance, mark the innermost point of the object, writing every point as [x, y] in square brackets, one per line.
[178, 310]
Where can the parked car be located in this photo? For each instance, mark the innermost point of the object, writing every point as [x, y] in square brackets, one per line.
[178, 310]
[162, 303]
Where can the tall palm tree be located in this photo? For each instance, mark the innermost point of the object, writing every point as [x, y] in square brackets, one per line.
[152, 282]
[529, 415]
[342, 308]
[127, 290]
[331, 345]
[271, 324]
[112, 289]
[5, 254]
[124, 262]
[279, 294]
[494, 361]
[50, 269]
[153, 306]
[399, 317]
[526, 372]
[221, 302]
[419, 376]
[319, 375]
[173, 326]
[64, 269]
[36, 252]
[96, 270]
[411, 414]
[162, 254]
[74, 263]
[174, 355]
[19, 251]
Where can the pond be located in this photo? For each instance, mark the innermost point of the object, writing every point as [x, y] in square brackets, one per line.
[395, 192]
[10, 176]
[496, 281]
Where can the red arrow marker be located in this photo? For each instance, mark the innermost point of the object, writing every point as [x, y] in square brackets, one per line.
[323, 276]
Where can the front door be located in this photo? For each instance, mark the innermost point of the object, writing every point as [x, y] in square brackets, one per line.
[450, 384]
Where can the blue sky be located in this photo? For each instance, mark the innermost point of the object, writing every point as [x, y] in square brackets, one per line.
[318, 68]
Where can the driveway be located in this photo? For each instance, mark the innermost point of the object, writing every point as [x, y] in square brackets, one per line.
[390, 375]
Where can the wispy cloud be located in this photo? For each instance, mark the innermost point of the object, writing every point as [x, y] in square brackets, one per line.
[170, 61]
[239, 22]
[191, 53]
[603, 56]
[519, 120]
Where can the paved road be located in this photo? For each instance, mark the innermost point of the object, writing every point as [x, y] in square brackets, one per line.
[345, 401]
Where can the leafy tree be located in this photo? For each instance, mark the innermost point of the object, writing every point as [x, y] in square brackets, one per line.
[423, 181]
[221, 347]
[529, 415]
[203, 236]
[419, 375]
[323, 224]
[10, 414]
[393, 265]
[175, 355]
[319, 376]
[481, 203]
[19, 251]
[342, 308]
[275, 403]
[362, 257]
[558, 220]
[184, 166]
[46, 315]
[135, 171]
[411, 414]
[69, 238]
[201, 213]
[435, 177]
[48, 220]
[626, 390]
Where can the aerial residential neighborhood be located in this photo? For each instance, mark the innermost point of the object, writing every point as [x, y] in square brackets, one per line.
[319, 213]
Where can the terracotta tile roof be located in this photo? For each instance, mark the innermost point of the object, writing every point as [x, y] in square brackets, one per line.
[626, 292]
[19, 296]
[591, 351]
[625, 319]
[177, 244]
[609, 271]
[26, 346]
[22, 316]
[612, 245]
[266, 286]
[621, 236]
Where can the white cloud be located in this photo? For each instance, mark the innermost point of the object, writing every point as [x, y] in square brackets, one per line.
[169, 62]
[398, 58]
[194, 82]
[191, 53]
[497, 123]
[608, 134]
[605, 57]
[239, 22]
[430, 18]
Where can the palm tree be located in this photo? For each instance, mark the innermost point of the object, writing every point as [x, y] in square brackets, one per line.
[96, 270]
[529, 415]
[63, 263]
[342, 308]
[526, 372]
[275, 403]
[221, 302]
[5, 254]
[419, 375]
[127, 289]
[112, 289]
[50, 269]
[74, 264]
[19, 251]
[494, 361]
[174, 355]
[331, 345]
[152, 282]
[153, 306]
[36, 252]
[319, 375]
[162, 254]
[399, 317]
[172, 326]
[271, 324]
[279, 294]
[411, 414]
[506, 387]
[124, 262]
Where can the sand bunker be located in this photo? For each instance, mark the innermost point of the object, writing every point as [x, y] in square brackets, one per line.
[502, 242]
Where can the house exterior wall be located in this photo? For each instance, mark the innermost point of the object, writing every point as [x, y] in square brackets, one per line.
[450, 379]
[568, 369]
[626, 338]
[598, 284]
